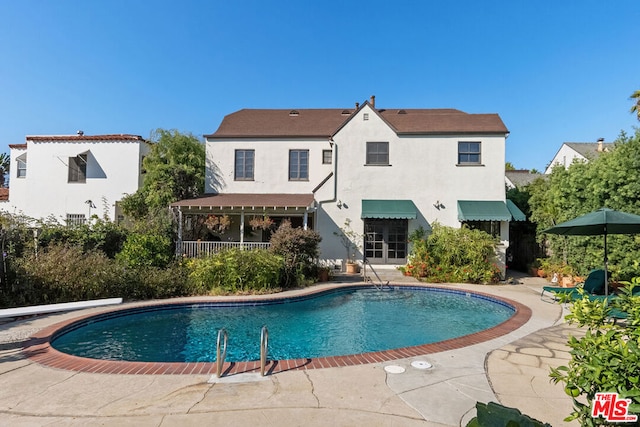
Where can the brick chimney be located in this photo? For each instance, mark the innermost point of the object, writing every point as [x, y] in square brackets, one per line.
[372, 101]
[600, 145]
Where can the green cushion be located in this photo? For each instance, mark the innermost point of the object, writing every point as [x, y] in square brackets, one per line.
[595, 282]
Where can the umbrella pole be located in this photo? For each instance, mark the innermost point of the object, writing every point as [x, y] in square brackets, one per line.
[606, 272]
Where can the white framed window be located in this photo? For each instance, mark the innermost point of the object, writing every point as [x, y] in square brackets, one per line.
[298, 165]
[22, 166]
[78, 168]
[244, 165]
[327, 157]
[377, 153]
[75, 219]
[469, 153]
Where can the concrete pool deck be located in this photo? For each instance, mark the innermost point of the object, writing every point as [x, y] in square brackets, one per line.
[511, 369]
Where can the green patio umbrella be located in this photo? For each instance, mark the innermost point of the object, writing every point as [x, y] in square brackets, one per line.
[601, 222]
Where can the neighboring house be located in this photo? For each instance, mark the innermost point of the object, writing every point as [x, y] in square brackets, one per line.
[519, 178]
[72, 177]
[583, 151]
[387, 171]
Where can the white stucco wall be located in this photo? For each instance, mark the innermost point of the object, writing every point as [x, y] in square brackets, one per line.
[271, 173]
[565, 156]
[422, 169]
[113, 169]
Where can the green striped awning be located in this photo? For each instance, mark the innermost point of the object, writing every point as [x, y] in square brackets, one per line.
[483, 210]
[516, 213]
[389, 209]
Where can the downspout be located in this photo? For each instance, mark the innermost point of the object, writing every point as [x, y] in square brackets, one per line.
[333, 174]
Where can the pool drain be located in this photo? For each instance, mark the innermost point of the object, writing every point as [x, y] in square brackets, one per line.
[394, 369]
[421, 364]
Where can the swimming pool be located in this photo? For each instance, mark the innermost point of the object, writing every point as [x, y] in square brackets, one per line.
[337, 322]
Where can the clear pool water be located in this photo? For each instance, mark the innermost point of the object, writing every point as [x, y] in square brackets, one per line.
[343, 322]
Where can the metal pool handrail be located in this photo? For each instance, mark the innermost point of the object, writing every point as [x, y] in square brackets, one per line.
[264, 348]
[222, 336]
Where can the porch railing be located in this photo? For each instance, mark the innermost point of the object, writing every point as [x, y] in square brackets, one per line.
[194, 249]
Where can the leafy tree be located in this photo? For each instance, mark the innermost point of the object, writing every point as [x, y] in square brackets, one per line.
[175, 170]
[5, 164]
[612, 180]
[635, 108]
[509, 166]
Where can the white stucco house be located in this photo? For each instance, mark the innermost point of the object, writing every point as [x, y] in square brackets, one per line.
[386, 171]
[578, 151]
[72, 177]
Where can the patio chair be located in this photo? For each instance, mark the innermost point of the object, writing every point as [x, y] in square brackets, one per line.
[593, 285]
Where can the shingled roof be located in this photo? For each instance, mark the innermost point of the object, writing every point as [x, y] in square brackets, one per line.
[590, 150]
[324, 123]
[249, 200]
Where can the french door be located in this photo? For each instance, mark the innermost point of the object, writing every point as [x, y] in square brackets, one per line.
[386, 241]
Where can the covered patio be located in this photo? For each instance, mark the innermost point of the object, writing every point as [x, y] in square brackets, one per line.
[210, 223]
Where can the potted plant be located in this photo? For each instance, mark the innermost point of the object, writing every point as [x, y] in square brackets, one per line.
[261, 222]
[348, 237]
[217, 224]
[324, 274]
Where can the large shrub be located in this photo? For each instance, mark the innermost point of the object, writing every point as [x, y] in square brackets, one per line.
[146, 250]
[299, 249]
[148, 282]
[102, 235]
[236, 270]
[63, 273]
[450, 254]
[607, 358]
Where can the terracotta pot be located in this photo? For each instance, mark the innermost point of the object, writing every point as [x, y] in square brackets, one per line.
[567, 282]
[352, 268]
[323, 275]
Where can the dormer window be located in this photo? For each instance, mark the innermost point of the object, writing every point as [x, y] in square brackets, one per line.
[78, 168]
[293, 113]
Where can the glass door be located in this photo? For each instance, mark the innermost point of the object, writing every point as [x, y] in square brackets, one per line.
[386, 241]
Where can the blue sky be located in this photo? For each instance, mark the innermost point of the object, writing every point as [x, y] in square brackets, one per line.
[555, 71]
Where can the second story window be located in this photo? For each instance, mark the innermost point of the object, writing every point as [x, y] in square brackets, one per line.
[378, 153]
[326, 157]
[469, 153]
[298, 165]
[244, 165]
[22, 166]
[78, 168]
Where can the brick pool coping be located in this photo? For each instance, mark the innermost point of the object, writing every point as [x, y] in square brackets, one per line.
[39, 349]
